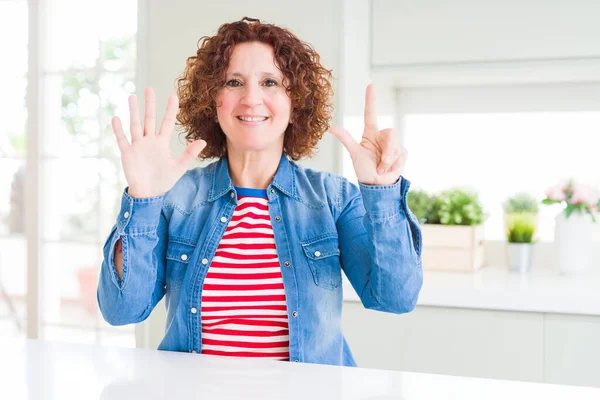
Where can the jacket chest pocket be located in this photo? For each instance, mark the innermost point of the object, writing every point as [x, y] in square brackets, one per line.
[178, 257]
[323, 256]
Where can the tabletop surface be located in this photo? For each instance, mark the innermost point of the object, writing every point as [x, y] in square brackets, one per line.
[31, 369]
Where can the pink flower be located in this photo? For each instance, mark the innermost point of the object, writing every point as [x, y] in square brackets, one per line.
[557, 192]
[583, 194]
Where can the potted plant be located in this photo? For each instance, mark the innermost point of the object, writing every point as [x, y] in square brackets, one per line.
[520, 224]
[420, 203]
[520, 236]
[459, 207]
[452, 227]
[577, 199]
[520, 205]
[573, 224]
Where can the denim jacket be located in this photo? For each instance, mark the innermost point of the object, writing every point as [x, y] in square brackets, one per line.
[322, 224]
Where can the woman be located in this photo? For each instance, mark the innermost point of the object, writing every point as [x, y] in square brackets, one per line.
[249, 250]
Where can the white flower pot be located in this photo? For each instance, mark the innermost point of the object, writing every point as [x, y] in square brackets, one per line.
[520, 256]
[573, 241]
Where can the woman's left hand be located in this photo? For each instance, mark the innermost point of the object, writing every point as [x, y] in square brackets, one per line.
[378, 159]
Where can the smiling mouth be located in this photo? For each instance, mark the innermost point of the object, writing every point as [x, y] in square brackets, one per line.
[251, 119]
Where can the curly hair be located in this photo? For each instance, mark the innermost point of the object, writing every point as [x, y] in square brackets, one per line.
[306, 81]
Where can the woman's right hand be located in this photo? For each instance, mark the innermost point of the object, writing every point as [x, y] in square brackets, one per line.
[149, 167]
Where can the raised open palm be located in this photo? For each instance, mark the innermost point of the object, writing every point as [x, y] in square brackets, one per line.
[378, 159]
[150, 168]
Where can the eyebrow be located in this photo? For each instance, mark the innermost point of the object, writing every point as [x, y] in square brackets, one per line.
[263, 74]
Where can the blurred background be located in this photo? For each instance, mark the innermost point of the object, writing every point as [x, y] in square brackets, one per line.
[68, 67]
[493, 100]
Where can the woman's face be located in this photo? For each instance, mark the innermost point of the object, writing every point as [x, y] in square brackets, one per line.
[253, 107]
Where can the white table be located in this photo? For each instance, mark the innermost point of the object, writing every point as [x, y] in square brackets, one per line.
[36, 370]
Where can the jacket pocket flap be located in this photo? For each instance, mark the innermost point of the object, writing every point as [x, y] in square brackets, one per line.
[177, 251]
[322, 247]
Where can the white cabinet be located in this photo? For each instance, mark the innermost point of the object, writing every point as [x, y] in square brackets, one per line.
[526, 346]
[408, 32]
[572, 349]
[488, 344]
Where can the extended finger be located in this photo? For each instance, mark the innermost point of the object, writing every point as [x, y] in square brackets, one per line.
[150, 112]
[168, 122]
[191, 152]
[134, 119]
[119, 134]
[370, 111]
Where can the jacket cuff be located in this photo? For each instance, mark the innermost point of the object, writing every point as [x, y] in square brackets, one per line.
[384, 202]
[138, 216]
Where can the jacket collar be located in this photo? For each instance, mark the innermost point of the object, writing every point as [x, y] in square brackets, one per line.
[221, 184]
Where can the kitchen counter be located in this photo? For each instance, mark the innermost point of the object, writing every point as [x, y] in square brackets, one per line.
[36, 370]
[496, 288]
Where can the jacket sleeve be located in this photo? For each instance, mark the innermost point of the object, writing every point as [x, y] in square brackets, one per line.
[142, 228]
[380, 245]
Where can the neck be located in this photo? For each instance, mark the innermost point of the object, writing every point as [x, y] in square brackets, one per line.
[252, 169]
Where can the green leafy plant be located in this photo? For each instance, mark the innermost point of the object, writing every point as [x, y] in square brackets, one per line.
[459, 207]
[521, 230]
[521, 203]
[434, 213]
[421, 204]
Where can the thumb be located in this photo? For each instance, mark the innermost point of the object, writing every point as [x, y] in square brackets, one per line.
[191, 152]
[344, 137]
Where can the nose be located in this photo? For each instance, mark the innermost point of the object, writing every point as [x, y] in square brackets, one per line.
[252, 95]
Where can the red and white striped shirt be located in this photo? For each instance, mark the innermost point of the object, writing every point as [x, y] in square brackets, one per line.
[244, 311]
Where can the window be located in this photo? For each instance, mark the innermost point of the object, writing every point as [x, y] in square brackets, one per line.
[499, 154]
[86, 79]
[87, 56]
[13, 81]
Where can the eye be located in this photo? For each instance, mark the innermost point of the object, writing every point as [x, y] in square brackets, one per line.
[270, 83]
[233, 83]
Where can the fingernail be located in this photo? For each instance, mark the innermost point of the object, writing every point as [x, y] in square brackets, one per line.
[388, 159]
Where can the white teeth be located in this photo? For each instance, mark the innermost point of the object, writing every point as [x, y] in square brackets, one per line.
[252, 119]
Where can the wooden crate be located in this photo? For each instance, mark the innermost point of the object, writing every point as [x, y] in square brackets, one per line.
[452, 248]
